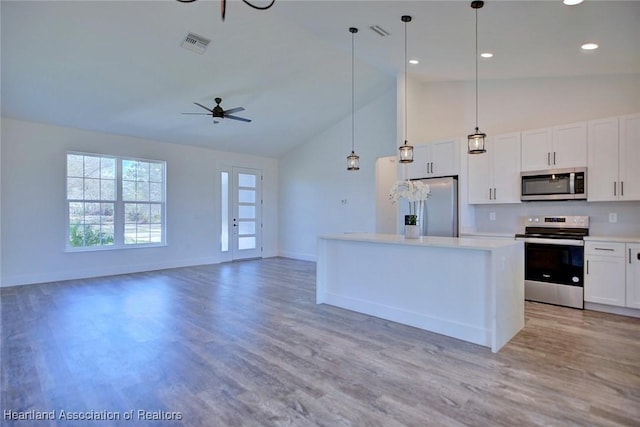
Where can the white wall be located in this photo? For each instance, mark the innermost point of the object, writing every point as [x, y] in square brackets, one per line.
[33, 204]
[448, 109]
[314, 179]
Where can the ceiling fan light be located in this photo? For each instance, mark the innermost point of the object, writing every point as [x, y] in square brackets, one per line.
[476, 142]
[406, 153]
[353, 162]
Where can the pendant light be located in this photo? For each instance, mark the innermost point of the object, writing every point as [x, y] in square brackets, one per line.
[476, 139]
[406, 150]
[353, 161]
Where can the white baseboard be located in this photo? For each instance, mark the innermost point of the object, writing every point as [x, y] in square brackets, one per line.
[297, 255]
[624, 311]
[31, 279]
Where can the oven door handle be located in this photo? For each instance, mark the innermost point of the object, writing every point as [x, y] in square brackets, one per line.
[564, 242]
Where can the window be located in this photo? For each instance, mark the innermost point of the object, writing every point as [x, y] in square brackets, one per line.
[114, 202]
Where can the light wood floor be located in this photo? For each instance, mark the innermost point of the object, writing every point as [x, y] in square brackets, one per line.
[244, 344]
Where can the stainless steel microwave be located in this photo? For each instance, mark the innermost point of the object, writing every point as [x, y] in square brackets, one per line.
[557, 184]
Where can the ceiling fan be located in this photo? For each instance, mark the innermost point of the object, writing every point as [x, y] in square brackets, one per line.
[219, 113]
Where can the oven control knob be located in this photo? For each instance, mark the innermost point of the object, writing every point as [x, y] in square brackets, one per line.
[536, 219]
[575, 279]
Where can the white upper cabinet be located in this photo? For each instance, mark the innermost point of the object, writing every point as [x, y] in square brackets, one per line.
[494, 177]
[536, 149]
[604, 153]
[630, 157]
[559, 147]
[434, 159]
[614, 156]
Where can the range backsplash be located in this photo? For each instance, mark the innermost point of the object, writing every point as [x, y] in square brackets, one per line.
[508, 217]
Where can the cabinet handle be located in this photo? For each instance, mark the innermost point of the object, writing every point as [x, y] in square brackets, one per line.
[622, 188]
[548, 159]
[554, 157]
[614, 188]
[587, 266]
[495, 197]
[490, 194]
[431, 167]
[604, 249]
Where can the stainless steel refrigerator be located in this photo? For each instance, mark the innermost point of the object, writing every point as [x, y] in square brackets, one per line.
[440, 213]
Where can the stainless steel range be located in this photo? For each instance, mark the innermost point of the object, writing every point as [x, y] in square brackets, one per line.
[554, 259]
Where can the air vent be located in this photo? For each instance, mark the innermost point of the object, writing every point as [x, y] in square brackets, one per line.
[380, 31]
[195, 43]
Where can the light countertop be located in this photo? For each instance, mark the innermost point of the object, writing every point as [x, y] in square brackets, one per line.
[426, 241]
[612, 239]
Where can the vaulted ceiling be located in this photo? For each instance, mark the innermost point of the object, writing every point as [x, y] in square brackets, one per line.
[117, 66]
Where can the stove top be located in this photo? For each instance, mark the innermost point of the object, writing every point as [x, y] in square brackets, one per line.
[556, 227]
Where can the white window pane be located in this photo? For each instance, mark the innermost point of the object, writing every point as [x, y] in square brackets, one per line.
[128, 191]
[155, 231]
[155, 192]
[75, 188]
[247, 196]
[246, 243]
[107, 168]
[155, 215]
[156, 172]
[247, 227]
[108, 189]
[142, 191]
[247, 212]
[92, 167]
[91, 189]
[130, 235]
[75, 165]
[246, 180]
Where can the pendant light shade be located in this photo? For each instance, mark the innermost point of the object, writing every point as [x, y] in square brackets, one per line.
[353, 161]
[476, 139]
[406, 150]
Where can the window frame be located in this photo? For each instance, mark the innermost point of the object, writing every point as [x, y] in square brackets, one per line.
[119, 206]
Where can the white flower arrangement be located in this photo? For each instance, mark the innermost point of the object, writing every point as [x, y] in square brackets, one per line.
[414, 192]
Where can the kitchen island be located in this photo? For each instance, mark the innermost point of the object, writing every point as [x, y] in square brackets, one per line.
[467, 288]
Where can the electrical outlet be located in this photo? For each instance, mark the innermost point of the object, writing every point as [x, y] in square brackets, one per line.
[613, 217]
[492, 216]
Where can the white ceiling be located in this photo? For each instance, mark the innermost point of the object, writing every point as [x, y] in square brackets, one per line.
[117, 66]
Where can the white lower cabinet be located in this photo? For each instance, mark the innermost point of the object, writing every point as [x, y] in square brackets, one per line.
[633, 275]
[612, 273]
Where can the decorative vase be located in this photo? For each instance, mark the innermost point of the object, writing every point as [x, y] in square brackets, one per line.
[411, 231]
[411, 228]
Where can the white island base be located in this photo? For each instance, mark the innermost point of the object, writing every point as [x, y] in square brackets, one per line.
[470, 289]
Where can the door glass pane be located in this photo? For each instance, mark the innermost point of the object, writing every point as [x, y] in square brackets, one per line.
[247, 212]
[247, 196]
[246, 243]
[224, 211]
[247, 227]
[246, 180]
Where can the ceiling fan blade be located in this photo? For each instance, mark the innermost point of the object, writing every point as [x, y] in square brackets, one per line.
[206, 108]
[200, 114]
[233, 110]
[237, 118]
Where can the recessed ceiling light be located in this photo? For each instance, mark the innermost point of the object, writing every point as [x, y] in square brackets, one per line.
[590, 46]
[486, 55]
[572, 2]
[414, 62]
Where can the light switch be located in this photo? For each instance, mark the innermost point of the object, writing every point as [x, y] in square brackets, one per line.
[613, 217]
[492, 216]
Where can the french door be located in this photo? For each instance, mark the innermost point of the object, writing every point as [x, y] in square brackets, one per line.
[246, 224]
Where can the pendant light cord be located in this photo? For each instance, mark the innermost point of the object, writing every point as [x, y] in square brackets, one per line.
[353, 36]
[406, 136]
[476, 69]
